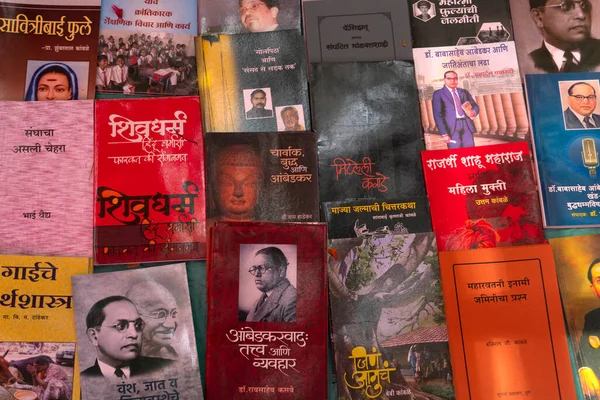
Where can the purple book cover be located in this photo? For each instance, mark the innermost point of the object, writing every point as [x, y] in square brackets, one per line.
[46, 170]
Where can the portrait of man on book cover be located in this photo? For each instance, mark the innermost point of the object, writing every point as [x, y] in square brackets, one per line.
[258, 103]
[579, 105]
[267, 283]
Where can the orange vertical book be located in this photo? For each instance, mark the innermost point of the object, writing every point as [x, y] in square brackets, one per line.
[505, 324]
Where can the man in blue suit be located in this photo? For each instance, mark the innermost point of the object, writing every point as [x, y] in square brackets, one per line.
[453, 109]
[582, 103]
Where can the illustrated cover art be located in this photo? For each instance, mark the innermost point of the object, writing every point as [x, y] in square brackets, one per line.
[254, 82]
[565, 122]
[357, 31]
[367, 134]
[38, 351]
[135, 334]
[262, 177]
[353, 218]
[483, 197]
[438, 23]
[46, 170]
[48, 49]
[505, 319]
[470, 95]
[146, 48]
[387, 318]
[267, 311]
[150, 201]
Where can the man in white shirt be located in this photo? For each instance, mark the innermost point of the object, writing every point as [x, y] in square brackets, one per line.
[582, 103]
[118, 75]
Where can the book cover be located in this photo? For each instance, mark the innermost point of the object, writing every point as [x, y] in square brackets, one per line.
[46, 170]
[565, 120]
[505, 319]
[459, 22]
[360, 217]
[253, 82]
[387, 318]
[470, 95]
[367, 135]
[149, 181]
[135, 334]
[491, 193]
[38, 351]
[261, 177]
[357, 31]
[267, 311]
[48, 49]
[147, 48]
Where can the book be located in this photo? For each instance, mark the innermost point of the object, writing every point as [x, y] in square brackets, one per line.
[455, 22]
[137, 323]
[488, 86]
[147, 48]
[261, 177]
[46, 169]
[149, 180]
[566, 156]
[357, 31]
[368, 139]
[491, 193]
[387, 309]
[353, 218]
[48, 48]
[37, 325]
[250, 82]
[268, 346]
[505, 319]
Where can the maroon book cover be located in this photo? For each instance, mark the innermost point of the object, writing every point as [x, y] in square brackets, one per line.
[267, 311]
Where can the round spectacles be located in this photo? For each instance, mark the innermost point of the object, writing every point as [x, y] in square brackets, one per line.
[122, 325]
[579, 98]
[161, 315]
[569, 5]
[261, 269]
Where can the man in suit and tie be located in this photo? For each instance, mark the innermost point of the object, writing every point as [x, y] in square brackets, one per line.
[590, 339]
[566, 28]
[278, 300]
[582, 103]
[453, 109]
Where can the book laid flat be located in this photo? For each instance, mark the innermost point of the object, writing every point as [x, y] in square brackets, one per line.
[267, 311]
[565, 122]
[37, 325]
[46, 170]
[505, 320]
[149, 181]
[135, 334]
[387, 317]
[490, 192]
[48, 49]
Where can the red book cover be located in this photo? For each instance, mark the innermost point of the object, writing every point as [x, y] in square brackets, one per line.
[267, 311]
[150, 201]
[483, 196]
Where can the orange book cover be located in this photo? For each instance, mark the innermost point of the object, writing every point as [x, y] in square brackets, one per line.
[505, 324]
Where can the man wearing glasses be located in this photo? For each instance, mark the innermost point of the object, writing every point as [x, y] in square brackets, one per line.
[277, 302]
[566, 28]
[114, 327]
[582, 103]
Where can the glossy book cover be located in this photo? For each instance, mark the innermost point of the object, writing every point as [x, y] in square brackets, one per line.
[149, 203]
[267, 311]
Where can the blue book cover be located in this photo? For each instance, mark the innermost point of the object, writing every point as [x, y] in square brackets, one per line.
[565, 119]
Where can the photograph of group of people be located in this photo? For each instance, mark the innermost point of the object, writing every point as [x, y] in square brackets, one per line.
[258, 104]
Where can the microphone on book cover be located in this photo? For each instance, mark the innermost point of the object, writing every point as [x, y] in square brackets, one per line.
[589, 155]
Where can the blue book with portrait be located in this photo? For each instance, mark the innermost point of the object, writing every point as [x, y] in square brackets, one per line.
[565, 119]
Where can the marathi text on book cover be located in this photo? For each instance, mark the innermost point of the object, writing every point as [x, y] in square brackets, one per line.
[249, 82]
[38, 352]
[46, 170]
[267, 311]
[367, 134]
[505, 319]
[135, 334]
[48, 49]
[387, 318]
[470, 95]
[149, 181]
[491, 193]
[262, 177]
[565, 119]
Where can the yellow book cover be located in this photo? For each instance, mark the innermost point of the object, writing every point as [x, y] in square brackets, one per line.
[38, 357]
